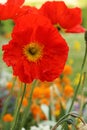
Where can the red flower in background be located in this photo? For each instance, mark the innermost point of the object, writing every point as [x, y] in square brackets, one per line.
[64, 18]
[61, 16]
[10, 8]
[27, 10]
[37, 51]
[13, 9]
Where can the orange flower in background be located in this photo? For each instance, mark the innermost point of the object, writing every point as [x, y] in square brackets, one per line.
[9, 85]
[46, 92]
[57, 109]
[67, 70]
[32, 54]
[68, 91]
[44, 84]
[61, 82]
[64, 18]
[37, 93]
[37, 112]
[8, 118]
[25, 102]
[66, 80]
[40, 92]
[58, 81]
[44, 101]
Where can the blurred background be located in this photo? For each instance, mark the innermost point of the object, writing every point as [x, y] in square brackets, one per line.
[76, 45]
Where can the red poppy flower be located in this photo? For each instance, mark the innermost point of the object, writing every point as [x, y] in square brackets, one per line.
[10, 9]
[27, 9]
[37, 50]
[61, 16]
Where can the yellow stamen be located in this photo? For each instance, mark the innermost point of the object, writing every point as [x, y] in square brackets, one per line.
[33, 51]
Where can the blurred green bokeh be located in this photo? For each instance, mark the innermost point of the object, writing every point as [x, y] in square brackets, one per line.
[84, 17]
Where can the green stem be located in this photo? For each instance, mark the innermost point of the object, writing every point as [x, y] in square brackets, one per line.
[27, 109]
[18, 96]
[18, 110]
[17, 101]
[65, 118]
[8, 100]
[78, 86]
[82, 94]
[76, 91]
[83, 63]
[60, 121]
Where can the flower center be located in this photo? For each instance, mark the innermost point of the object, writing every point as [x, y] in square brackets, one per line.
[33, 51]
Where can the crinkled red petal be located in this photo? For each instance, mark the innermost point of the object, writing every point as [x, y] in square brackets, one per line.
[10, 9]
[60, 14]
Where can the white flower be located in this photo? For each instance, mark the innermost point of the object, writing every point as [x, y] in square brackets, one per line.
[40, 127]
[23, 129]
[34, 128]
[44, 127]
